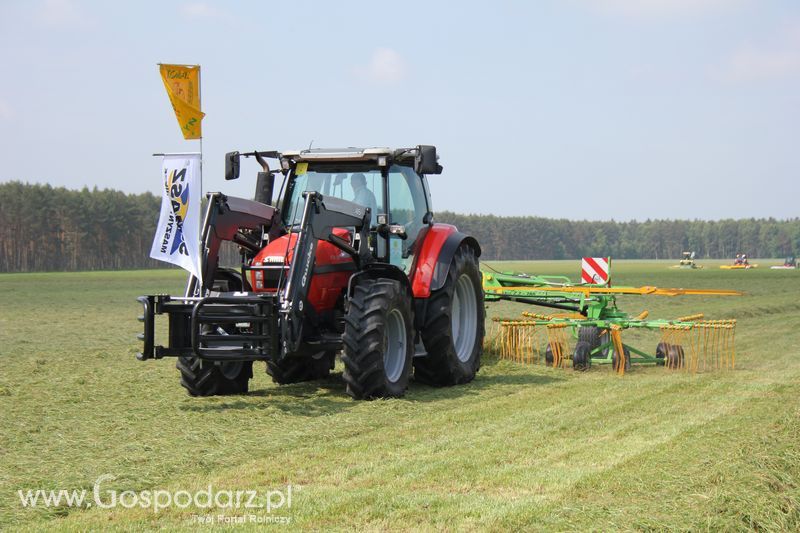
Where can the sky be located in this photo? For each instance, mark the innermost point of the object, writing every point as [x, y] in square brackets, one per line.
[579, 109]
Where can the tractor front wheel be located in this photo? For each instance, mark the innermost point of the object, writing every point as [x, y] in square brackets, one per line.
[378, 340]
[454, 325]
[204, 378]
[298, 369]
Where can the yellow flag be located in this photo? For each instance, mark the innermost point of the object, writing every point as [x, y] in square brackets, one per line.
[183, 87]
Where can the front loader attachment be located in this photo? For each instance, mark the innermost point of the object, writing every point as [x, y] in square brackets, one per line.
[228, 327]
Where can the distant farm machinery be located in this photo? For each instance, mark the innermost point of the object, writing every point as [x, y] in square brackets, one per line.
[587, 329]
[739, 263]
[789, 264]
[688, 262]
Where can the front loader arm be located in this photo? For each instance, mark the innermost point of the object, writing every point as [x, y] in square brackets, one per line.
[320, 217]
[226, 215]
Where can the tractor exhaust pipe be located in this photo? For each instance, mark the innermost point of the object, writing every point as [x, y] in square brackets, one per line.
[264, 186]
[264, 183]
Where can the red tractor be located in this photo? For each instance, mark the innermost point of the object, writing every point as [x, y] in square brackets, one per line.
[348, 260]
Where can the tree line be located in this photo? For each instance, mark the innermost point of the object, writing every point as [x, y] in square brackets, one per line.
[545, 238]
[43, 228]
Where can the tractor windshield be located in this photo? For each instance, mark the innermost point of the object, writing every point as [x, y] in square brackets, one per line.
[362, 187]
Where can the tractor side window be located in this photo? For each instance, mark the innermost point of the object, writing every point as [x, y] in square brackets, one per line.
[310, 181]
[407, 207]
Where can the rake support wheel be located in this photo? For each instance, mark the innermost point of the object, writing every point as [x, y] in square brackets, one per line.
[549, 358]
[590, 335]
[661, 350]
[615, 359]
[674, 356]
[582, 357]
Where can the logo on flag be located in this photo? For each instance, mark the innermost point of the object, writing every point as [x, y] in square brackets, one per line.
[178, 191]
[183, 88]
[178, 230]
[595, 270]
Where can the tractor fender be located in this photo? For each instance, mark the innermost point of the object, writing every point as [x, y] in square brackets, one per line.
[435, 256]
[380, 270]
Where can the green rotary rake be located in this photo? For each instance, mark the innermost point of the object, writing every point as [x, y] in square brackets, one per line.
[588, 327]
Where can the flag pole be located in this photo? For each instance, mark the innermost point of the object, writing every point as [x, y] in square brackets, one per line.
[200, 248]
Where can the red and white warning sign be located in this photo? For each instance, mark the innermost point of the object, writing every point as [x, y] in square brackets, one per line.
[595, 270]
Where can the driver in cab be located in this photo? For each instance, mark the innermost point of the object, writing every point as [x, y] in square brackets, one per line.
[362, 195]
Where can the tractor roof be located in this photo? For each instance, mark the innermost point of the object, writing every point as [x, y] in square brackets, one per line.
[379, 156]
[338, 154]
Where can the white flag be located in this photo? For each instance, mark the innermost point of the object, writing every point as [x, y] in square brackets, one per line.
[177, 238]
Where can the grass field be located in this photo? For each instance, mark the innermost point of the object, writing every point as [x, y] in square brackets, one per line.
[520, 447]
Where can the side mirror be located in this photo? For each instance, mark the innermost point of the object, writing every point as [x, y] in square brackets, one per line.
[231, 165]
[426, 162]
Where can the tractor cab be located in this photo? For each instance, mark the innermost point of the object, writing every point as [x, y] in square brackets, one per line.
[389, 183]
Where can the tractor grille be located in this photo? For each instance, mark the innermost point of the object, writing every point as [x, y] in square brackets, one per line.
[265, 278]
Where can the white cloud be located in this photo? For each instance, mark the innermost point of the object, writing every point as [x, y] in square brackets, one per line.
[62, 13]
[662, 8]
[768, 61]
[5, 110]
[385, 67]
[200, 10]
[753, 64]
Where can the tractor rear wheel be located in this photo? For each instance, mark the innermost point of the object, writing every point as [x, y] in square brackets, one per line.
[582, 357]
[297, 369]
[454, 325]
[378, 340]
[204, 378]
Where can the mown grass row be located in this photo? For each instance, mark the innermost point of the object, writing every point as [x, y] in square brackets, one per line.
[520, 446]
